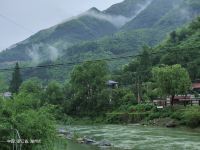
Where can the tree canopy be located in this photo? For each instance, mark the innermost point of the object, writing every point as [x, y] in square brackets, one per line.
[87, 82]
[172, 80]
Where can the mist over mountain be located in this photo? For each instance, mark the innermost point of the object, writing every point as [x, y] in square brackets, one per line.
[128, 8]
[121, 29]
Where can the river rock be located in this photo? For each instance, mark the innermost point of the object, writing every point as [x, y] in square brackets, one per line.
[104, 143]
[61, 135]
[88, 140]
[80, 140]
[62, 131]
[171, 124]
[69, 137]
[67, 134]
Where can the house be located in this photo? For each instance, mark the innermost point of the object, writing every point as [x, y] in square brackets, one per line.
[184, 100]
[7, 95]
[112, 84]
[189, 99]
[196, 87]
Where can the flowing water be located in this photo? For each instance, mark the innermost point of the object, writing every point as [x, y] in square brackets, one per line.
[136, 137]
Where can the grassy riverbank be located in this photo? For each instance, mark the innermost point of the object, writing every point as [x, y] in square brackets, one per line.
[170, 116]
[147, 115]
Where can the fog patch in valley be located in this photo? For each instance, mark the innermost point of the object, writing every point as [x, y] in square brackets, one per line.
[42, 52]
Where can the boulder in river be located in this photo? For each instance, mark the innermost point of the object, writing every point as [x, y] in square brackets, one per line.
[171, 124]
[88, 140]
[67, 134]
[104, 143]
[62, 131]
[80, 140]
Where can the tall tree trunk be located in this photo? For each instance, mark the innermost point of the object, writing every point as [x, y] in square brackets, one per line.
[172, 100]
[138, 91]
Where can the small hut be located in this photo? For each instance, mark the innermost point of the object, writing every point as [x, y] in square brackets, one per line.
[112, 84]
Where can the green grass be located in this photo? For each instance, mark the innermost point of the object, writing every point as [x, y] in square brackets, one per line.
[56, 144]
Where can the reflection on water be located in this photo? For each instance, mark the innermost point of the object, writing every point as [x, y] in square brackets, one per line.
[135, 137]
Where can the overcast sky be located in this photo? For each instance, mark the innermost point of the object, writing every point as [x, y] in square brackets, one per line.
[21, 18]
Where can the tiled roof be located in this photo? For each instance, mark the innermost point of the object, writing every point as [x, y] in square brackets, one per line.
[196, 85]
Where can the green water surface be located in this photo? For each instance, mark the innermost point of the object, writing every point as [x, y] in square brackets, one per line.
[137, 137]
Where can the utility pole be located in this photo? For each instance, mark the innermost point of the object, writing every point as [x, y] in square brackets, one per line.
[16, 137]
[138, 90]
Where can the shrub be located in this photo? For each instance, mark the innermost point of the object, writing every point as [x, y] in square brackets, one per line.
[123, 96]
[153, 116]
[35, 125]
[25, 114]
[129, 99]
[191, 116]
[141, 108]
[177, 114]
[160, 113]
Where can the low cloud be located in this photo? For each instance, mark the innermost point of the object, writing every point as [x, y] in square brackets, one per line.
[33, 54]
[118, 20]
[183, 10]
[53, 53]
[141, 7]
[42, 52]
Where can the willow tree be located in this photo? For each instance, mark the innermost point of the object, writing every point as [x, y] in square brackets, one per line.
[172, 80]
[88, 80]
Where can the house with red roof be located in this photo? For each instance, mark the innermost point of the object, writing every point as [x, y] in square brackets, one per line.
[196, 87]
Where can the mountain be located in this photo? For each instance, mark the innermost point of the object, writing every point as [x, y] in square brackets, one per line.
[127, 8]
[152, 14]
[183, 47]
[122, 29]
[155, 20]
[87, 26]
[90, 25]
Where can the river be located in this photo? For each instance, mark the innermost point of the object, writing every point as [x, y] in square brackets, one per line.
[137, 137]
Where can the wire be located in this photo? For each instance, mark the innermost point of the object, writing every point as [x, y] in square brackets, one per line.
[28, 30]
[79, 62]
[96, 60]
[70, 63]
[40, 66]
[15, 23]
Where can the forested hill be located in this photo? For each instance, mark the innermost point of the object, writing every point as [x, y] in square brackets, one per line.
[181, 47]
[121, 29]
[89, 25]
[84, 27]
